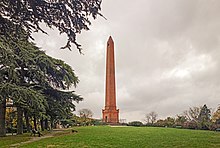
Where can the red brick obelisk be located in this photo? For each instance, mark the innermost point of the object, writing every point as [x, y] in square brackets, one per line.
[110, 113]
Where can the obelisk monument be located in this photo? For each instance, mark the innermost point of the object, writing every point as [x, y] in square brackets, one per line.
[110, 113]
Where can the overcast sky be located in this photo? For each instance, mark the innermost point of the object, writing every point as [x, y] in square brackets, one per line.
[167, 56]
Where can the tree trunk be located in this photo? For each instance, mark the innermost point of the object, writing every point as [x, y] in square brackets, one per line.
[46, 124]
[20, 120]
[42, 124]
[27, 121]
[35, 123]
[51, 124]
[2, 118]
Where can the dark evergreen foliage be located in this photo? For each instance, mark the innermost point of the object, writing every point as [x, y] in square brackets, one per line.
[204, 117]
[68, 16]
[26, 72]
[60, 103]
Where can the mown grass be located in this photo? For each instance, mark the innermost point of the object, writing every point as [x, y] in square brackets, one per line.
[131, 137]
[5, 142]
[9, 140]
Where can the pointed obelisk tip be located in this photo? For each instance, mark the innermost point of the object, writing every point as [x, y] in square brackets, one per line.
[110, 39]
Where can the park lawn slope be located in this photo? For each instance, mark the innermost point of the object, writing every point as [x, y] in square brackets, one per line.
[9, 140]
[114, 137]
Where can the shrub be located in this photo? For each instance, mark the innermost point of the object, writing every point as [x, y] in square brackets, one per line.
[135, 123]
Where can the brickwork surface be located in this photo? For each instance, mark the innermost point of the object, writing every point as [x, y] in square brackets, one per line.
[110, 113]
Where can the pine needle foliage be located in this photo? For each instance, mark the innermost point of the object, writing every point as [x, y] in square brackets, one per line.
[68, 16]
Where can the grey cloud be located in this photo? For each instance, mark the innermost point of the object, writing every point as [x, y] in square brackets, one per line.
[167, 56]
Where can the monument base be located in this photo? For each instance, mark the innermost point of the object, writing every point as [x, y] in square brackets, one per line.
[110, 116]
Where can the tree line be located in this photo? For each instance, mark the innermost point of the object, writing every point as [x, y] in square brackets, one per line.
[193, 118]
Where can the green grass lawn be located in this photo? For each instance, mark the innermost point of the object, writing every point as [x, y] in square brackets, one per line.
[128, 137]
[7, 141]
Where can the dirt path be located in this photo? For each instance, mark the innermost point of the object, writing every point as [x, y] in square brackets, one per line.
[48, 135]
